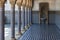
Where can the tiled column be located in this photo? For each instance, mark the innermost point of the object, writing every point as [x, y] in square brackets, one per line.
[23, 16]
[26, 14]
[29, 12]
[30, 16]
[2, 19]
[26, 18]
[19, 21]
[19, 3]
[30, 8]
[23, 20]
[13, 19]
[13, 23]
[1, 24]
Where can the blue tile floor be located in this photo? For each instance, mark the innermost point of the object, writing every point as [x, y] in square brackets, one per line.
[41, 32]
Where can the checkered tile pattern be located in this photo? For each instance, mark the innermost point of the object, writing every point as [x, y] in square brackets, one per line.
[41, 32]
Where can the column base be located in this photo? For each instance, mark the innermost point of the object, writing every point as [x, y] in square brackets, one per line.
[23, 30]
[13, 39]
[30, 23]
[19, 34]
[26, 27]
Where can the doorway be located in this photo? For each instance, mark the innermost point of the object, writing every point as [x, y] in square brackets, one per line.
[43, 11]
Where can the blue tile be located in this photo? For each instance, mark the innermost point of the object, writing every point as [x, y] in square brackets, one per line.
[41, 32]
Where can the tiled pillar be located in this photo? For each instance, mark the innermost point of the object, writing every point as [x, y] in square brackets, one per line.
[12, 2]
[1, 24]
[19, 21]
[19, 3]
[30, 16]
[23, 20]
[26, 18]
[13, 23]
[29, 12]
[2, 19]
[23, 16]
[30, 8]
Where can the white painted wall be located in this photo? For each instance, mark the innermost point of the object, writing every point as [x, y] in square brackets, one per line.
[36, 5]
[53, 5]
[57, 5]
[57, 17]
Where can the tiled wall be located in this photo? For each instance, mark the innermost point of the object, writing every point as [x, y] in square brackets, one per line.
[35, 17]
[57, 18]
[52, 17]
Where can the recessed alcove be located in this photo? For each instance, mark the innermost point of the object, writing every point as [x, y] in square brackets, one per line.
[43, 10]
